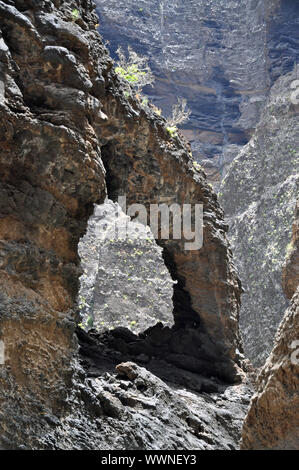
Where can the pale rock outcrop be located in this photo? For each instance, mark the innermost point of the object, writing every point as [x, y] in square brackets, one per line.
[272, 421]
[125, 281]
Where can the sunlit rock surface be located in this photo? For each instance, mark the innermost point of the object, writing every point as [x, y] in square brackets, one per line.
[259, 194]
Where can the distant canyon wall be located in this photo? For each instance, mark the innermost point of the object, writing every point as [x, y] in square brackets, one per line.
[221, 56]
[259, 195]
[69, 136]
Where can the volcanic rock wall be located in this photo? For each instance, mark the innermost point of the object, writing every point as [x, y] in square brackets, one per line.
[62, 109]
[221, 56]
[273, 418]
[259, 194]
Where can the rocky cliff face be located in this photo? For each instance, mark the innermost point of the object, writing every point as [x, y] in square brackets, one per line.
[68, 137]
[272, 420]
[259, 194]
[221, 56]
[51, 174]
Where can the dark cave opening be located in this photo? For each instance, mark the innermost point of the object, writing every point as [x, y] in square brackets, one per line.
[182, 310]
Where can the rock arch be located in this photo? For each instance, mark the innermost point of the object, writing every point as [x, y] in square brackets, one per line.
[62, 109]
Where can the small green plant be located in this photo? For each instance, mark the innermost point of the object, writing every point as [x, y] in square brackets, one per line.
[156, 110]
[289, 249]
[144, 101]
[180, 114]
[86, 324]
[172, 131]
[75, 14]
[82, 302]
[131, 73]
[134, 69]
[90, 321]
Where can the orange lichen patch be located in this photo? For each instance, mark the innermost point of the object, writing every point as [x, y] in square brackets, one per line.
[54, 72]
[47, 238]
[14, 288]
[50, 290]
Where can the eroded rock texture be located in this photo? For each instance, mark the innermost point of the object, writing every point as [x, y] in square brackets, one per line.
[63, 112]
[273, 418]
[259, 195]
[221, 56]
